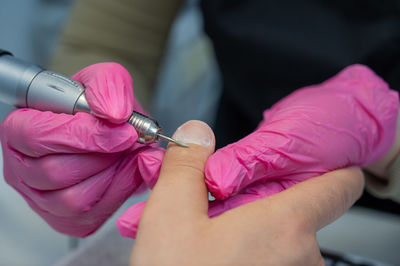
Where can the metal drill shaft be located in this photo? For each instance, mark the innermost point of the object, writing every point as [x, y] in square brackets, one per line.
[177, 142]
[148, 129]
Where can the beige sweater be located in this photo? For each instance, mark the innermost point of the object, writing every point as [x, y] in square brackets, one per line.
[134, 33]
[131, 32]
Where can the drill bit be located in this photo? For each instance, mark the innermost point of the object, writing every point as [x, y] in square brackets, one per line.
[177, 142]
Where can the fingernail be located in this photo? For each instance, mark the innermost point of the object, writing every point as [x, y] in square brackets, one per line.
[196, 132]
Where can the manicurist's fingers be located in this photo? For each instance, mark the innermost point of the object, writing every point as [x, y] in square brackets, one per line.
[50, 133]
[180, 192]
[106, 84]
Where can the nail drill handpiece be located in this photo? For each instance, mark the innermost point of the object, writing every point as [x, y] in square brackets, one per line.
[26, 85]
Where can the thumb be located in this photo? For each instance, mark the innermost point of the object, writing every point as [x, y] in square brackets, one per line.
[180, 192]
[109, 91]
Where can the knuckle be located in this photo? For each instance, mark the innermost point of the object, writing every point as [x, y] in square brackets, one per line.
[118, 68]
[51, 169]
[185, 160]
[73, 205]
[185, 165]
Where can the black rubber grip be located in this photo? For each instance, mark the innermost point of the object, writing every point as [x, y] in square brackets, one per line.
[4, 52]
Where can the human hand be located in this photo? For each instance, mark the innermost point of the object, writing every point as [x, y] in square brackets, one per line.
[348, 120]
[279, 230]
[75, 171]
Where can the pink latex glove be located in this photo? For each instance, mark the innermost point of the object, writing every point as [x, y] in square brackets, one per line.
[347, 120]
[76, 170]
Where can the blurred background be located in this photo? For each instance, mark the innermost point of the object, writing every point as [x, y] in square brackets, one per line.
[188, 80]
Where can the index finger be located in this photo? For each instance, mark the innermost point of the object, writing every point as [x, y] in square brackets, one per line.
[319, 201]
[313, 203]
[35, 133]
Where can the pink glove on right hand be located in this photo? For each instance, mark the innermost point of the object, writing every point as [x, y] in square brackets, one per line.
[348, 120]
[75, 171]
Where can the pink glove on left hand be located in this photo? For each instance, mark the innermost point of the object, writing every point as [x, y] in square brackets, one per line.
[349, 120]
[76, 170]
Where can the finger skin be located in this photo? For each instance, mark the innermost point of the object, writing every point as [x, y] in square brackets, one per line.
[185, 175]
[311, 204]
[181, 183]
[322, 200]
[180, 194]
[128, 222]
[249, 194]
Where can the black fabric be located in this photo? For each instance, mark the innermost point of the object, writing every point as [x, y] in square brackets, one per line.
[267, 49]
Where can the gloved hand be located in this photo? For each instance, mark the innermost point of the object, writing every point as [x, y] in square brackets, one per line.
[76, 170]
[348, 120]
